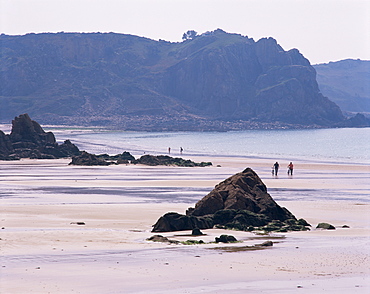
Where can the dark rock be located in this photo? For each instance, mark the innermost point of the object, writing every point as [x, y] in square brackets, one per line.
[242, 191]
[196, 232]
[345, 227]
[68, 149]
[26, 130]
[160, 238]
[173, 221]
[226, 239]
[168, 160]
[6, 147]
[122, 161]
[303, 222]
[28, 140]
[266, 244]
[239, 219]
[123, 158]
[78, 223]
[86, 158]
[325, 226]
[241, 202]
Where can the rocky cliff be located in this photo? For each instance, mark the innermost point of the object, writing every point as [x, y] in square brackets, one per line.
[214, 81]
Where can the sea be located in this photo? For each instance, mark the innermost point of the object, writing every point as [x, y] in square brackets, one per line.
[340, 145]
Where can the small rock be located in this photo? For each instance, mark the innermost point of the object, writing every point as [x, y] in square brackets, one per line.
[196, 232]
[325, 226]
[267, 243]
[225, 239]
[158, 238]
[345, 227]
[78, 223]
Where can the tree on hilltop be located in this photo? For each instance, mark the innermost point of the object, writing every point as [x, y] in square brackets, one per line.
[189, 35]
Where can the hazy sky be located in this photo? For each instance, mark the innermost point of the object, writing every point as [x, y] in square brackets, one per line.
[323, 30]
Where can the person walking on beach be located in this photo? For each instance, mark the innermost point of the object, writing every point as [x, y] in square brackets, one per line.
[181, 150]
[290, 168]
[276, 168]
[169, 150]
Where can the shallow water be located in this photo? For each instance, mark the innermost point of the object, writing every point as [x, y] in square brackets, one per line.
[324, 145]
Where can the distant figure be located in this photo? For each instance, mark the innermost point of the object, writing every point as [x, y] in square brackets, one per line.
[290, 168]
[181, 150]
[169, 150]
[276, 168]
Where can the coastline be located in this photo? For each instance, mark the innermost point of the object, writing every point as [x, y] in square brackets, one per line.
[44, 248]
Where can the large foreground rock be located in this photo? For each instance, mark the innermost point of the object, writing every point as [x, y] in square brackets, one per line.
[242, 191]
[28, 140]
[240, 202]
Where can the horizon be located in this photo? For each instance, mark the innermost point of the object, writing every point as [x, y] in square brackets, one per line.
[323, 31]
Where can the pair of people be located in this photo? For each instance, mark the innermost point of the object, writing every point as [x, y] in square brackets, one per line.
[276, 166]
[169, 150]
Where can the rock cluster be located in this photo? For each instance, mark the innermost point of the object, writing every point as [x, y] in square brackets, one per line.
[86, 158]
[123, 158]
[168, 160]
[28, 140]
[126, 158]
[240, 202]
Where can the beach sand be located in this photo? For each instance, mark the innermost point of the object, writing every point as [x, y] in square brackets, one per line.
[44, 250]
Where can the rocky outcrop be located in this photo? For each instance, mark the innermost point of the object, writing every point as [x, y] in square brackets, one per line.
[6, 147]
[126, 158]
[325, 226]
[28, 140]
[168, 160]
[226, 239]
[242, 191]
[86, 158]
[173, 221]
[123, 158]
[240, 202]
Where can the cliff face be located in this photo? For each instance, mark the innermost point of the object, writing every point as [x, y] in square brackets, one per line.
[249, 80]
[126, 80]
[347, 83]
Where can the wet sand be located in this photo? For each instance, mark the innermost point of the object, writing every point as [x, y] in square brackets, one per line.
[44, 250]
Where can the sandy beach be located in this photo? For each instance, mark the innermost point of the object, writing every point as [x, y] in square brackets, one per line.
[44, 250]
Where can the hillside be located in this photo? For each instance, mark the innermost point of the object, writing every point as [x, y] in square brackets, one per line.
[216, 81]
[347, 83]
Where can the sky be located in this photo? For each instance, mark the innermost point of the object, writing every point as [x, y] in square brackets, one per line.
[322, 30]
